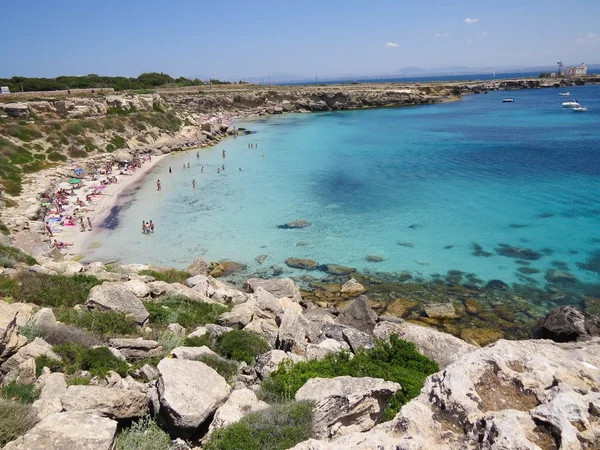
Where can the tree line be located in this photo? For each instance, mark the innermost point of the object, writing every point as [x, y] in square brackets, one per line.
[148, 80]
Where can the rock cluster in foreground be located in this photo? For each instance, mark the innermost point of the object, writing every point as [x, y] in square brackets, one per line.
[511, 394]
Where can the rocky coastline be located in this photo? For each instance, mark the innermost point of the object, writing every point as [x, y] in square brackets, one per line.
[508, 394]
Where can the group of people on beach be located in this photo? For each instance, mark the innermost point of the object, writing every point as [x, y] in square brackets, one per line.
[66, 207]
[147, 227]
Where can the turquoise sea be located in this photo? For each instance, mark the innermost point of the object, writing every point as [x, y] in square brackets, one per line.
[460, 185]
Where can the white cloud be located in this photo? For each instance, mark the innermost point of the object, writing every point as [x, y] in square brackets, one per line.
[441, 35]
[592, 36]
[485, 33]
[471, 21]
[579, 41]
[469, 41]
[391, 45]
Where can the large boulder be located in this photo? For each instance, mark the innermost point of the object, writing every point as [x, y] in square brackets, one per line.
[239, 403]
[292, 332]
[443, 348]
[117, 297]
[269, 362]
[136, 349]
[359, 315]
[568, 323]
[8, 311]
[532, 394]
[193, 353]
[138, 287]
[68, 431]
[189, 393]
[346, 404]
[240, 315]
[115, 404]
[10, 341]
[279, 287]
[302, 263]
[352, 288]
[197, 267]
[52, 389]
[32, 350]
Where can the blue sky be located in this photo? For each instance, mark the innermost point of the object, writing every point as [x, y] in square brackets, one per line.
[241, 39]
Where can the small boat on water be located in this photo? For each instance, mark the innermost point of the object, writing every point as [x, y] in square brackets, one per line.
[508, 100]
[564, 93]
[571, 104]
[580, 109]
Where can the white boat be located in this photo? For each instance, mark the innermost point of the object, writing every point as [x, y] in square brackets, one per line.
[571, 104]
[564, 93]
[580, 109]
[508, 100]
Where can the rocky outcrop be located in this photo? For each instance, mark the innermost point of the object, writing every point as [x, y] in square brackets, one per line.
[239, 403]
[345, 404]
[69, 430]
[352, 288]
[117, 297]
[279, 287]
[117, 404]
[359, 315]
[189, 393]
[567, 324]
[136, 349]
[52, 389]
[302, 263]
[32, 350]
[443, 348]
[509, 395]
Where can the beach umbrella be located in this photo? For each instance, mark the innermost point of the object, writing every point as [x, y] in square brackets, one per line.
[79, 171]
[74, 181]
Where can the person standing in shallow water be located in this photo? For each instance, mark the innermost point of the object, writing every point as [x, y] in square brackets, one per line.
[188, 165]
[158, 186]
[202, 169]
[82, 224]
[194, 184]
[89, 221]
[197, 154]
[143, 227]
[170, 170]
[151, 226]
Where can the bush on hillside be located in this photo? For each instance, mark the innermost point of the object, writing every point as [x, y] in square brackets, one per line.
[62, 334]
[98, 361]
[144, 434]
[241, 345]
[276, 428]
[15, 255]
[103, 323]
[199, 341]
[224, 367]
[181, 310]
[49, 290]
[15, 420]
[168, 276]
[396, 361]
[24, 393]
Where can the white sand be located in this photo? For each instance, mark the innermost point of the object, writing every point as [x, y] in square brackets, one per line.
[102, 208]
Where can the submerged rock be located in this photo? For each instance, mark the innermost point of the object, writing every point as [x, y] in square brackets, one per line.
[301, 263]
[440, 311]
[376, 258]
[560, 276]
[518, 253]
[335, 269]
[480, 336]
[295, 224]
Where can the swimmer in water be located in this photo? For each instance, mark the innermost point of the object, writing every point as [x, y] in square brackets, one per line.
[263, 154]
[202, 169]
[223, 167]
[197, 154]
[194, 184]
[240, 169]
[218, 170]
[184, 165]
[188, 165]
[158, 186]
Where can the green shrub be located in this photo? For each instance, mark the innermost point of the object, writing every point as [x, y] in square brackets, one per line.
[118, 142]
[224, 367]
[114, 111]
[51, 290]
[3, 228]
[199, 341]
[79, 381]
[276, 428]
[98, 361]
[45, 361]
[31, 331]
[169, 340]
[104, 323]
[396, 361]
[23, 393]
[241, 345]
[15, 420]
[17, 255]
[25, 133]
[144, 434]
[181, 310]
[73, 129]
[168, 276]
[55, 156]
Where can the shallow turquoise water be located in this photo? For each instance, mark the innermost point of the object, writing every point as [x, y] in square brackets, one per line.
[526, 174]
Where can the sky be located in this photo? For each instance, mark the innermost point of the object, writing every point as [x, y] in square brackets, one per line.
[326, 38]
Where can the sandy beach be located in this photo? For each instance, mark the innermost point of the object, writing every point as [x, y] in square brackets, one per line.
[102, 207]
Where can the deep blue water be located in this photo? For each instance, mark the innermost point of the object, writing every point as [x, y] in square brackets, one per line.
[441, 179]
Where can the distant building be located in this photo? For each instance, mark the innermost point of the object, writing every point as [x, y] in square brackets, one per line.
[4, 90]
[576, 71]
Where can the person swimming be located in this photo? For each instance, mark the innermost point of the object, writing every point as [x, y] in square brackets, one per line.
[218, 170]
[197, 154]
[223, 167]
[188, 165]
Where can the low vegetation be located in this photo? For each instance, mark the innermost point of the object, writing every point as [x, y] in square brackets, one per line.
[16, 419]
[9, 256]
[168, 275]
[98, 361]
[48, 290]
[277, 428]
[102, 323]
[181, 310]
[396, 361]
[241, 345]
[144, 434]
[24, 393]
[224, 367]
